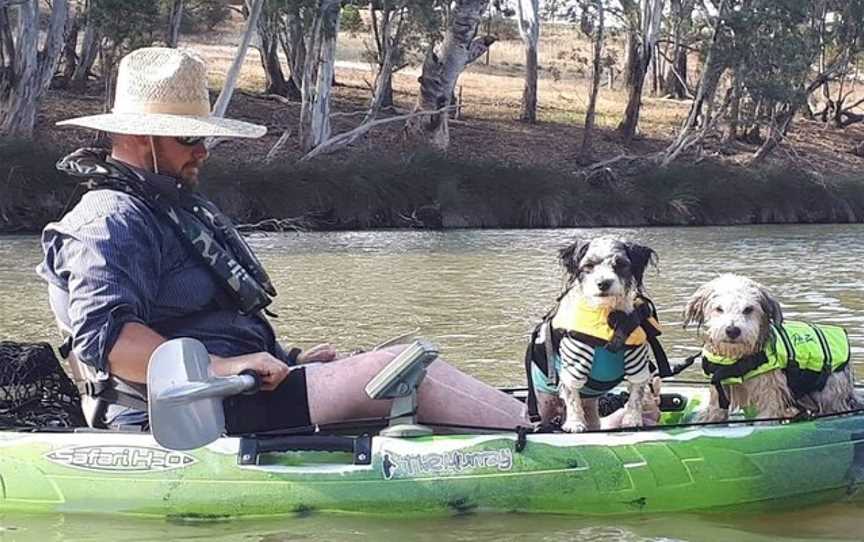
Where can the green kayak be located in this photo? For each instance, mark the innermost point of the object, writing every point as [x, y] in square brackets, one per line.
[670, 468]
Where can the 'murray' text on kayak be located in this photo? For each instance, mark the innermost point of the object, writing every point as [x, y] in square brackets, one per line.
[455, 462]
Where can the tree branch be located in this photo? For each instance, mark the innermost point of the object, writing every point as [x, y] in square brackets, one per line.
[346, 138]
[478, 47]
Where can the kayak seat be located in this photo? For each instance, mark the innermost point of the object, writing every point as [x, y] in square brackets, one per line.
[80, 373]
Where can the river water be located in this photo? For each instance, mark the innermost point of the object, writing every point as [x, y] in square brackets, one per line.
[476, 295]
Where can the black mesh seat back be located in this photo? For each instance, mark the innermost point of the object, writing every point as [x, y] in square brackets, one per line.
[35, 391]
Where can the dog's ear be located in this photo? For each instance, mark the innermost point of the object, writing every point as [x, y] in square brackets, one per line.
[770, 306]
[571, 255]
[640, 258]
[694, 311]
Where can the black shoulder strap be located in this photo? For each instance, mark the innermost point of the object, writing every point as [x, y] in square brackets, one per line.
[546, 364]
[531, 400]
[719, 373]
[645, 312]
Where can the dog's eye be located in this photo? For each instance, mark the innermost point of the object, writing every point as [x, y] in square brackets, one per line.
[747, 310]
[718, 310]
[588, 267]
[621, 264]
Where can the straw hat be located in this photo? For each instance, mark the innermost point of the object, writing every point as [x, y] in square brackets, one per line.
[163, 92]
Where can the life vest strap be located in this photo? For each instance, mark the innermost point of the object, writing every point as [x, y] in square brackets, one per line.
[719, 372]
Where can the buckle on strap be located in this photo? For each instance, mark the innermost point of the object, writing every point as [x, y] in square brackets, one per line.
[86, 387]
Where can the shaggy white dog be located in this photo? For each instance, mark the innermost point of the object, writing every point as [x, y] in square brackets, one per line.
[738, 319]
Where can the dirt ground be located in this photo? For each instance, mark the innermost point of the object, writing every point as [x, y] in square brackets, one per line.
[488, 129]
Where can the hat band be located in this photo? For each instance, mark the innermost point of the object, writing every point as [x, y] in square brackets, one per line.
[191, 109]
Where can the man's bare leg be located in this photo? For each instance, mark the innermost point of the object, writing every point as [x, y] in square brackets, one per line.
[446, 396]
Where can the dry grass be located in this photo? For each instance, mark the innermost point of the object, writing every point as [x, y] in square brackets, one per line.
[491, 95]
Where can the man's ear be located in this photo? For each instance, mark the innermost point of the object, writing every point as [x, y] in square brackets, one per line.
[641, 257]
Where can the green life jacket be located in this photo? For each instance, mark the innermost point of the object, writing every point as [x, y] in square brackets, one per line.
[806, 353]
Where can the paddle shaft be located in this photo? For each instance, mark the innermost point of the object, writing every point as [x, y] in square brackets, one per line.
[216, 387]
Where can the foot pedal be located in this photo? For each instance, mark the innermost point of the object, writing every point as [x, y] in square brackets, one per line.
[399, 381]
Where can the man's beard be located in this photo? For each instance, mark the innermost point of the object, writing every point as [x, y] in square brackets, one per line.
[189, 178]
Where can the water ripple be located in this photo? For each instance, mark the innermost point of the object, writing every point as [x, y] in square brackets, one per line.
[478, 293]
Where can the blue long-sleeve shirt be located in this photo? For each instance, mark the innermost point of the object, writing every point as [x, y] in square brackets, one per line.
[119, 262]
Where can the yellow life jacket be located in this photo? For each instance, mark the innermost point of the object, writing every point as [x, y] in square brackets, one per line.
[576, 315]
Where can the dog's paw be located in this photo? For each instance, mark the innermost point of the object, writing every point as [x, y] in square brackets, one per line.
[572, 425]
[632, 418]
[712, 416]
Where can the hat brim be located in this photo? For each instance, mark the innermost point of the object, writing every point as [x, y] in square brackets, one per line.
[157, 124]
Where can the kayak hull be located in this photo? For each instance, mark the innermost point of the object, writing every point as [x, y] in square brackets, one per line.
[673, 469]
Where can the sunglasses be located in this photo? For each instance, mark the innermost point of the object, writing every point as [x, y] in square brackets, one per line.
[189, 141]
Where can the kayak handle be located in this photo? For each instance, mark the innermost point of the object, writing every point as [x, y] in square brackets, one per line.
[251, 447]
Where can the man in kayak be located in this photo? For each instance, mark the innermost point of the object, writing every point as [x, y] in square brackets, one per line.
[144, 258]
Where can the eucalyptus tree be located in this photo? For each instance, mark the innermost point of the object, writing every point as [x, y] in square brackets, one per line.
[681, 35]
[269, 26]
[318, 73]
[25, 68]
[528, 17]
[441, 69]
[643, 19]
[89, 48]
[593, 15]
[400, 32]
[175, 17]
[840, 29]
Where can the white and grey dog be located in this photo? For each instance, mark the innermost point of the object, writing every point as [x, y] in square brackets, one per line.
[737, 319]
[604, 276]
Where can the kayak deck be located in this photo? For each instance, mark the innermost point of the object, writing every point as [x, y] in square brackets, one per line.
[662, 469]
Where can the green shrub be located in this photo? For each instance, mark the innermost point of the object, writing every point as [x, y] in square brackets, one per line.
[351, 21]
[430, 190]
[203, 15]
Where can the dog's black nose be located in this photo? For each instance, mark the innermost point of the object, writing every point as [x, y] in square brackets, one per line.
[604, 285]
[733, 332]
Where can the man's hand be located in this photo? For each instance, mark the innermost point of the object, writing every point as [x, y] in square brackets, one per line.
[320, 353]
[271, 370]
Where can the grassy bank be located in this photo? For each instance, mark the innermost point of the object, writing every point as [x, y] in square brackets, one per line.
[434, 192]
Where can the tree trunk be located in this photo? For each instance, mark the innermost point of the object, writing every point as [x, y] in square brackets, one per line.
[386, 43]
[678, 83]
[529, 29]
[596, 74]
[292, 40]
[275, 82]
[382, 92]
[70, 45]
[651, 17]
[318, 76]
[676, 75]
[234, 71]
[89, 51]
[778, 129]
[174, 20]
[631, 53]
[711, 72]
[268, 28]
[440, 72]
[634, 102]
[731, 133]
[27, 71]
